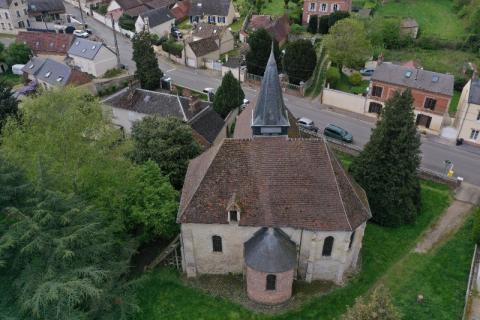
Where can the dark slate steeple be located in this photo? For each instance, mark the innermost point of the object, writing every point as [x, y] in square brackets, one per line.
[270, 115]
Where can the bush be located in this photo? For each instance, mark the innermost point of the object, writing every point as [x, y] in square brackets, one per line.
[297, 29]
[333, 76]
[126, 22]
[355, 79]
[173, 47]
[476, 227]
[110, 73]
[312, 24]
[431, 43]
[102, 9]
[459, 83]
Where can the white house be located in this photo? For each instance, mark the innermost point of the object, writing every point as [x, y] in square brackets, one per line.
[219, 12]
[157, 21]
[92, 57]
[467, 121]
[13, 15]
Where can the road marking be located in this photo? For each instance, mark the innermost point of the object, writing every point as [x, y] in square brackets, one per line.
[170, 70]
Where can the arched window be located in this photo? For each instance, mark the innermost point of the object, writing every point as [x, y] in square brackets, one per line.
[352, 237]
[327, 247]
[271, 282]
[217, 243]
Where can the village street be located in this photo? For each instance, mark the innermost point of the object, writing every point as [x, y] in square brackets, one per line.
[435, 151]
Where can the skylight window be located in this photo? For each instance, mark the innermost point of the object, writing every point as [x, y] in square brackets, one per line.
[47, 74]
[435, 79]
[408, 74]
[31, 66]
[83, 50]
[59, 79]
[93, 47]
[77, 43]
[51, 44]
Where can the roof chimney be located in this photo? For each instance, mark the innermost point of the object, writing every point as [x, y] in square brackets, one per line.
[194, 104]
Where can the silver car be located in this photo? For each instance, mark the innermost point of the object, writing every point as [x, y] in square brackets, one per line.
[307, 124]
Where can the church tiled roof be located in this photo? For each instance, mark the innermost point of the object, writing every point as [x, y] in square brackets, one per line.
[278, 182]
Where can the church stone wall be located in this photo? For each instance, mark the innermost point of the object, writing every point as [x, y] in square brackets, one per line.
[199, 258]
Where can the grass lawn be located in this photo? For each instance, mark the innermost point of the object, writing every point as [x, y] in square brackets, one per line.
[345, 86]
[237, 25]
[451, 61]
[163, 296]
[277, 7]
[435, 17]
[452, 109]
[11, 79]
[185, 25]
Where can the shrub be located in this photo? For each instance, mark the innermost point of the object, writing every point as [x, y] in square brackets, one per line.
[323, 24]
[333, 76]
[297, 29]
[127, 22]
[173, 47]
[476, 227]
[459, 83]
[110, 73]
[355, 79]
[102, 9]
[312, 24]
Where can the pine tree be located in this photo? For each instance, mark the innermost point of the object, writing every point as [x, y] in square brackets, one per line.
[228, 96]
[387, 167]
[8, 104]
[148, 72]
[13, 186]
[260, 44]
[378, 306]
[299, 69]
[64, 261]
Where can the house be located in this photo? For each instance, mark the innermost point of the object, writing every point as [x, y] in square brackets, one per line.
[270, 207]
[219, 12]
[409, 27]
[92, 57]
[432, 92]
[46, 13]
[156, 21]
[46, 44]
[134, 8]
[130, 105]
[221, 34]
[201, 51]
[50, 73]
[277, 27]
[467, 121]
[13, 16]
[180, 10]
[324, 7]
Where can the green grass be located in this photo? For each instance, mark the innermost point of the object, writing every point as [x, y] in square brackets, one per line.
[440, 275]
[185, 25]
[345, 158]
[452, 109]
[345, 86]
[451, 61]
[436, 18]
[164, 297]
[237, 25]
[277, 7]
[11, 79]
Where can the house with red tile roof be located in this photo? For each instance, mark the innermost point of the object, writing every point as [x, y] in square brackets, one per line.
[46, 43]
[277, 27]
[271, 207]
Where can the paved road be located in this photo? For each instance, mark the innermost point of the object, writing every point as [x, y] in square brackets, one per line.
[435, 151]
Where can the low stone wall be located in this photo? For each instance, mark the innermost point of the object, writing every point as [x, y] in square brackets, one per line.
[158, 50]
[343, 100]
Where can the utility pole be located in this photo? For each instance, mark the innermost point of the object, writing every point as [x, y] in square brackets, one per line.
[115, 39]
[81, 14]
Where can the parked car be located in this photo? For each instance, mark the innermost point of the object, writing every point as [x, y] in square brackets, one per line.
[307, 124]
[80, 33]
[210, 94]
[335, 132]
[175, 33]
[367, 72]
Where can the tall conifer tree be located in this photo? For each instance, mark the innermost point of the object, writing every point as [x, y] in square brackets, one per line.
[229, 95]
[148, 72]
[387, 167]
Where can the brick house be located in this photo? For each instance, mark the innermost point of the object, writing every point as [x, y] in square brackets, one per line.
[467, 121]
[432, 92]
[271, 207]
[323, 7]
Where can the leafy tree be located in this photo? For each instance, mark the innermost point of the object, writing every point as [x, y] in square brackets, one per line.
[14, 188]
[337, 16]
[387, 167]
[167, 141]
[8, 104]
[347, 43]
[299, 69]
[229, 95]
[148, 72]
[355, 79]
[259, 5]
[17, 53]
[126, 22]
[323, 24]
[378, 306]
[65, 261]
[312, 24]
[154, 202]
[260, 44]
[286, 3]
[333, 76]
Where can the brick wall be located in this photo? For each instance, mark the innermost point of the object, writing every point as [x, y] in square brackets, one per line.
[343, 5]
[257, 284]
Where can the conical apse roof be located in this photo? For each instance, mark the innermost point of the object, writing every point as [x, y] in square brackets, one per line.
[270, 109]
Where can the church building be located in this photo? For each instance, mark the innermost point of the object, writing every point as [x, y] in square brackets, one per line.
[273, 208]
